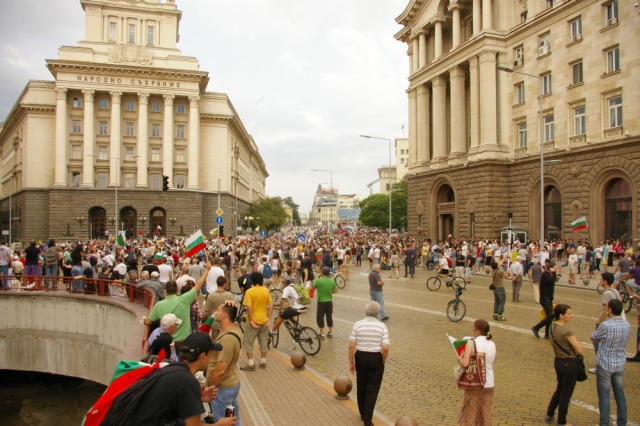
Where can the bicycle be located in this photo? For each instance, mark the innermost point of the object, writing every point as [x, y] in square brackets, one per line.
[434, 283]
[456, 308]
[339, 279]
[306, 337]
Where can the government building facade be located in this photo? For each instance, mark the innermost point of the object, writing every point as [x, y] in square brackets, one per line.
[87, 154]
[493, 81]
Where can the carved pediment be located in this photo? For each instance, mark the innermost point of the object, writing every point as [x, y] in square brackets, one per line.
[130, 53]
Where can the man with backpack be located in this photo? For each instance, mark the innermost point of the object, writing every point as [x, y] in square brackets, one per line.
[292, 303]
[266, 271]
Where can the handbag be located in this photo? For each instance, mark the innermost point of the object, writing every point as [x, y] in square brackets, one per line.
[582, 369]
[474, 375]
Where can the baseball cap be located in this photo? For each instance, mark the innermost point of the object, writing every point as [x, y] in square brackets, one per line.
[199, 342]
[155, 274]
[288, 280]
[168, 320]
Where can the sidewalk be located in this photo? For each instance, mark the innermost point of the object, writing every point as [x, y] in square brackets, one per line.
[281, 395]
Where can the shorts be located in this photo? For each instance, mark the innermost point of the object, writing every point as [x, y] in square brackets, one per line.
[288, 313]
[340, 261]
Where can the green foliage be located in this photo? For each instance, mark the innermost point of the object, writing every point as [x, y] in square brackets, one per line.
[294, 207]
[268, 213]
[374, 210]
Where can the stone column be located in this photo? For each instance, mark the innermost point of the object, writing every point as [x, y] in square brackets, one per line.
[115, 138]
[423, 124]
[474, 100]
[455, 24]
[88, 140]
[458, 117]
[142, 146]
[416, 54]
[438, 38]
[422, 47]
[60, 168]
[477, 17]
[194, 142]
[439, 118]
[167, 139]
[412, 128]
[488, 103]
[487, 15]
[410, 56]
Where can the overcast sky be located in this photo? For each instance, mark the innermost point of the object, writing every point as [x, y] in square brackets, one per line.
[306, 77]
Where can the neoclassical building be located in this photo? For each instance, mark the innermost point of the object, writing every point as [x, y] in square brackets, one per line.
[86, 153]
[490, 82]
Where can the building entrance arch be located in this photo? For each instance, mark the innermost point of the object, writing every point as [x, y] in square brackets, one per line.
[129, 221]
[618, 209]
[445, 211]
[97, 222]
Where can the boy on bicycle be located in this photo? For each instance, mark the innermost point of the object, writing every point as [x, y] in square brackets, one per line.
[443, 268]
[289, 306]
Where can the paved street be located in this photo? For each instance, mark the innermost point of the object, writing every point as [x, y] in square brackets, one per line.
[419, 378]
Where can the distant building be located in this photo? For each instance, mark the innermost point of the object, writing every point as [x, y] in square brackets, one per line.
[402, 158]
[348, 209]
[388, 177]
[324, 210]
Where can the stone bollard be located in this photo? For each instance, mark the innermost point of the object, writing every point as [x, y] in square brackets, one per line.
[585, 281]
[406, 421]
[342, 385]
[298, 359]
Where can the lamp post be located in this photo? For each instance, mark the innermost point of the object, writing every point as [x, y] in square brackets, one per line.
[331, 172]
[389, 172]
[541, 138]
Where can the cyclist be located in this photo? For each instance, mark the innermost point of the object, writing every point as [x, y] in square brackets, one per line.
[443, 268]
[289, 306]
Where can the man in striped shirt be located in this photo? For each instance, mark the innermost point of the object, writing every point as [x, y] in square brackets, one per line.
[368, 351]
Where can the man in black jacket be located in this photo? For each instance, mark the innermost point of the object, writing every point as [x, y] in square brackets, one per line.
[547, 286]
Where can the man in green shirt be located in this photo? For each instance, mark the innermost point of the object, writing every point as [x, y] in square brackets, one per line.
[180, 306]
[326, 288]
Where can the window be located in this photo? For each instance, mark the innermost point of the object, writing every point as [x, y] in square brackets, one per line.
[150, 31]
[179, 155]
[576, 29]
[577, 75]
[546, 84]
[518, 53]
[113, 32]
[388, 186]
[155, 130]
[102, 180]
[129, 152]
[155, 106]
[402, 161]
[76, 127]
[579, 121]
[76, 152]
[129, 180]
[523, 16]
[180, 108]
[77, 102]
[130, 105]
[611, 13]
[180, 131]
[75, 179]
[179, 180]
[548, 128]
[129, 128]
[615, 112]
[103, 104]
[545, 44]
[103, 128]
[155, 154]
[103, 153]
[522, 135]
[132, 33]
[549, 3]
[519, 91]
[155, 181]
[613, 60]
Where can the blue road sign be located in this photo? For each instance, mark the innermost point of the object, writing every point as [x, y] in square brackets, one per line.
[301, 238]
[219, 220]
[263, 233]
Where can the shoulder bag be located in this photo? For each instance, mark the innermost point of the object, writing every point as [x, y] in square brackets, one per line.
[582, 369]
[474, 375]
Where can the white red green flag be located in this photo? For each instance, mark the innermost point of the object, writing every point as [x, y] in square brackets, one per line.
[458, 344]
[122, 237]
[195, 243]
[579, 223]
[214, 233]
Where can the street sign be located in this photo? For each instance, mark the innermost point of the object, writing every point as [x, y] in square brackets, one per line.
[5, 232]
[301, 238]
[219, 212]
[263, 233]
[219, 220]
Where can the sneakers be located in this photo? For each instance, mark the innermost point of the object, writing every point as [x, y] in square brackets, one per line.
[499, 318]
[535, 332]
[385, 318]
[330, 335]
[593, 371]
[248, 367]
[548, 419]
[321, 336]
[633, 359]
[262, 365]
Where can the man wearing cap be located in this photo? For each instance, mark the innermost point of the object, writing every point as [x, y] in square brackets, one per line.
[178, 305]
[289, 306]
[178, 395]
[152, 284]
[259, 306]
[215, 299]
[168, 324]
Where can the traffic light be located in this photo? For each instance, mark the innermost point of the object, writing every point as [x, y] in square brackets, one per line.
[221, 230]
[165, 183]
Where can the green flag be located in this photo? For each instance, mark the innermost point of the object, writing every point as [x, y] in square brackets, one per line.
[122, 237]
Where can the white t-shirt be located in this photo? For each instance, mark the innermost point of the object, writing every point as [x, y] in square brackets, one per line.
[165, 272]
[212, 278]
[489, 349]
[291, 295]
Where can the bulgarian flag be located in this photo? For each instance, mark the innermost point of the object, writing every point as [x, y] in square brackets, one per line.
[206, 326]
[122, 237]
[579, 224]
[458, 344]
[159, 255]
[214, 233]
[195, 243]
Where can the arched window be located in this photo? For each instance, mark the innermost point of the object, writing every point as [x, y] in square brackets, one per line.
[618, 209]
[128, 221]
[552, 213]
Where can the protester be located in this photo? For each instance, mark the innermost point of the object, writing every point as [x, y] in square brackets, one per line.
[326, 288]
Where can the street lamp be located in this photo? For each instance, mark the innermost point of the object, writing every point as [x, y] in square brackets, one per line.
[389, 172]
[331, 172]
[541, 137]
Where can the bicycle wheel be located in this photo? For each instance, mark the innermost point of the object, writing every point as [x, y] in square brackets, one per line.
[456, 310]
[309, 340]
[340, 281]
[275, 338]
[459, 282]
[624, 296]
[430, 265]
[276, 295]
[434, 283]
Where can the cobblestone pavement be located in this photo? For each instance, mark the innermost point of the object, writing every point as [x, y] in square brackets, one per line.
[419, 379]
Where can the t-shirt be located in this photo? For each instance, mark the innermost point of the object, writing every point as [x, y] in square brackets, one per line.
[308, 265]
[180, 306]
[31, 254]
[497, 278]
[611, 294]
[536, 273]
[325, 286]
[559, 341]
[259, 299]
[374, 278]
[165, 272]
[215, 299]
[635, 273]
[229, 354]
[291, 296]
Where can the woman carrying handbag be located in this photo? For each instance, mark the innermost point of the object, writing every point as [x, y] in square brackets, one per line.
[566, 348]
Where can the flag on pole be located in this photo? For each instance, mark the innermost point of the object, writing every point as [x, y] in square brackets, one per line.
[214, 233]
[195, 243]
[122, 237]
[579, 223]
[458, 344]
[206, 326]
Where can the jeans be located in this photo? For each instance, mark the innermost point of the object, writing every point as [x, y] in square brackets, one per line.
[604, 381]
[4, 271]
[566, 374]
[31, 270]
[50, 271]
[499, 299]
[376, 296]
[226, 396]
[76, 285]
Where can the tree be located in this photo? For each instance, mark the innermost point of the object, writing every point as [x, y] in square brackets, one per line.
[374, 210]
[268, 213]
[294, 208]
